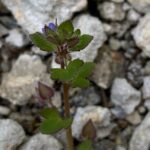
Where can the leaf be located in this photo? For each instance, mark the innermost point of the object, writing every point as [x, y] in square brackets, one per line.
[50, 126]
[53, 122]
[77, 32]
[80, 82]
[40, 41]
[85, 145]
[49, 113]
[66, 26]
[67, 122]
[86, 69]
[84, 41]
[76, 73]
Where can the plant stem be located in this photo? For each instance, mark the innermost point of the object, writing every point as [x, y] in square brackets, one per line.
[67, 114]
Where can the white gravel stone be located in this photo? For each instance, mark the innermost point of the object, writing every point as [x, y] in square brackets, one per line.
[93, 26]
[11, 134]
[142, 6]
[112, 11]
[133, 15]
[19, 84]
[32, 15]
[141, 137]
[99, 115]
[4, 110]
[146, 87]
[141, 34]
[16, 38]
[42, 142]
[124, 95]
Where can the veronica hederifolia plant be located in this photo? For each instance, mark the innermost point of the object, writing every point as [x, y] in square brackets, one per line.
[62, 40]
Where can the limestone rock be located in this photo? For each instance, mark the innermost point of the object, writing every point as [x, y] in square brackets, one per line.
[124, 95]
[19, 84]
[32, 15]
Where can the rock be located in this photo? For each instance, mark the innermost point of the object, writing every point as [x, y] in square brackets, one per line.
[99, 115]
[32, 15]
[118, 1]
[135, 74]
[146, 70]
[114, 44]
[124, 95]
[134, 118]
[119, 147]
[111, 11]
[3, 30]
[4, 110]
[16, 38]
[108, 65]
[19, 84]
[141, 34]
[141, 6]
[42, 142]
[88, 27]
[146, 88]
[133, 16]
[56, 99]
[118, 112]
[140, 139]
[86, 97]
[12, 134]
[147, 104]
[104, 145]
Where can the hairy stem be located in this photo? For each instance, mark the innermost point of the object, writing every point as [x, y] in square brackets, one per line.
[67, 114]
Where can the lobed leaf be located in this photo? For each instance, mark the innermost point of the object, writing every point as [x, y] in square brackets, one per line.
[85, 145]
[84, 41]
[40, 41]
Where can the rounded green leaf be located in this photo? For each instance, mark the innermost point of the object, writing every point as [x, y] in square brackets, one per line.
[40, 41]
[85, 145]
[84, 41]
[49, 113]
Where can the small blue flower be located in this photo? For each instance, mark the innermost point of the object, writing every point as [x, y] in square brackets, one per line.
[52, 26]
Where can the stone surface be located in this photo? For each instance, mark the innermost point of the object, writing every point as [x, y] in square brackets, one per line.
[11, 134]
[42, 142]
[4, 110]
[88, 27]
[134, 118]
[86, 97]
[33, 14]
[141, 34]
[146, 88]
[146, 69]
[3, 30]
[108, 65]
[118, 1]
[133, 16]
[140, 139]
[19, 84]
[112, 11]
[141, 6]
[16, 38]
[99, 115]
[124, 95]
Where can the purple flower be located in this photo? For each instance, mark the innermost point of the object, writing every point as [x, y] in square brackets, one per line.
[52, 26]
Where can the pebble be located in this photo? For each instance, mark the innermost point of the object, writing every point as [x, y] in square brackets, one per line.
[11, 134]
[141, 34]
[16, 38]
[124, 95]
[111, 11]
[141, 137]
[19, 85]
[146, 87]
[42, 142]
[32, 15]
[4, 110]
[99, 115]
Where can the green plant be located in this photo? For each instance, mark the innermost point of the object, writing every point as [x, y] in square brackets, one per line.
[62, 40]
